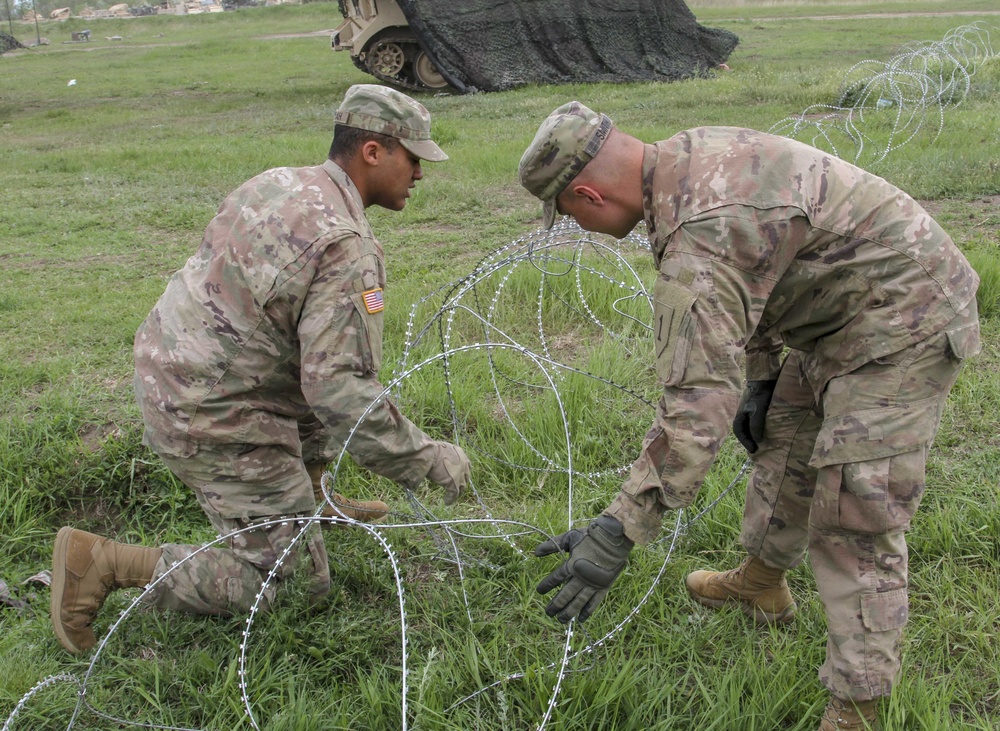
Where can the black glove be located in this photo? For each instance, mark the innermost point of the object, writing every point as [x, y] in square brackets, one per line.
[595, 560]
[748, 426]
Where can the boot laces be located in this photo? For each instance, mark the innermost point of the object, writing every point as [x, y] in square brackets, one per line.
[740, 571]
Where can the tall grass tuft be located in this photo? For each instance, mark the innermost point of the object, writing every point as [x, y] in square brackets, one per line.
[986, 262]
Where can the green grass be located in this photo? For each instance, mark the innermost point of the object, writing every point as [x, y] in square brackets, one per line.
[108, 185]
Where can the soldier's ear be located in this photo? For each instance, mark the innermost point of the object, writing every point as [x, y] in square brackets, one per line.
[371, 152]
[588, 193]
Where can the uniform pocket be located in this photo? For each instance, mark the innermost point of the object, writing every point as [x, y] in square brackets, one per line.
[886, 611]
[963, 342]
[252, 481]
[875, 496]
[371, 325]
[672, 328]
[873, 433]
[872, 464]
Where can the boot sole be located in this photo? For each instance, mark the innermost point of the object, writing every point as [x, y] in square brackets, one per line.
[369, 516]
[757, 614]
[58, 586]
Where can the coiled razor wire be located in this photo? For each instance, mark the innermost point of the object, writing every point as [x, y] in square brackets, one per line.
[590, 296]
[593, 288]
[884, 105]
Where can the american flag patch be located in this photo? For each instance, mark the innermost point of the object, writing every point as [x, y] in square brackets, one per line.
[373, 300]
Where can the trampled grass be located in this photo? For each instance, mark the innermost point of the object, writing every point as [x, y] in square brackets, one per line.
[108, 185]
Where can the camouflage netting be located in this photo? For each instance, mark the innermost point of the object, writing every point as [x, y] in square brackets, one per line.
[8, 43]
[490, 45]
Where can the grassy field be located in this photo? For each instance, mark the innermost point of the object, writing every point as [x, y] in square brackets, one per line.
[107, 186]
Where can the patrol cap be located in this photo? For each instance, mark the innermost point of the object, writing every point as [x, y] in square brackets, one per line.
[568, 139]
[390, 112]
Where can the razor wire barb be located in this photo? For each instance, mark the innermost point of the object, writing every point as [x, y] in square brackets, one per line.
[884, 105]
[595, 287]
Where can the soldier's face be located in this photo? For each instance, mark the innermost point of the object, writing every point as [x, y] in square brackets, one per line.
[398, 172]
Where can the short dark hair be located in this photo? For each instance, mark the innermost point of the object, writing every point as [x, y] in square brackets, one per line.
[348, 140]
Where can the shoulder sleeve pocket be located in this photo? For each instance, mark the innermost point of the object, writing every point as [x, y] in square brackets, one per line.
[370, 330]
[672, 327]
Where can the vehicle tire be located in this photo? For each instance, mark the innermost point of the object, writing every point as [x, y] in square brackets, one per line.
[427, 73]
[386, 58]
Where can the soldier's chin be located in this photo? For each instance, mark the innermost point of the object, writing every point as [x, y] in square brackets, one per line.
[618, 231]
[397, 205]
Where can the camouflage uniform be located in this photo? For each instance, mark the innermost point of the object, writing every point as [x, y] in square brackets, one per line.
[761, 243]
[258, 360]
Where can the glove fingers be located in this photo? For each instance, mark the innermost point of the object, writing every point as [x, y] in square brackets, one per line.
[553, 580]
[742, 433]
[451, 470]
[562, 542]
[547, 548]
[578, 596]
[592, 604]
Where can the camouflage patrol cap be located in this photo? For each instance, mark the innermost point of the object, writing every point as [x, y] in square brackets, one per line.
[389, 112]
[566, 141]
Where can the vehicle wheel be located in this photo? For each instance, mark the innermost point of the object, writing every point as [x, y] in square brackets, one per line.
[427, 73]
[386, 58]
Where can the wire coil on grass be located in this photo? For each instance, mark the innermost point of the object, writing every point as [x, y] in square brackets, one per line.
[884, 105]
[514, 354]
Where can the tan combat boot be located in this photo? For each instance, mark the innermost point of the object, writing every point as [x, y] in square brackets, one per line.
[85, 568]
[363, 511]
[841, 715]
[761, 592]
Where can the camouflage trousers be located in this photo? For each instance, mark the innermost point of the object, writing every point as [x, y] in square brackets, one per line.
[240, 486]
[842, 473]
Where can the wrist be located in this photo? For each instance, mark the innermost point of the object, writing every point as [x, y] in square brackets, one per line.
[614, 531]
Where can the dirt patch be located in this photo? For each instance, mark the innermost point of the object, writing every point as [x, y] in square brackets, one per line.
[987, 206]
[93, 436]
[968, 219]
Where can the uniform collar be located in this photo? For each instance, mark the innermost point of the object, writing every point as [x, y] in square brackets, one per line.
[343, 180]
[650, 156]
[665, 188]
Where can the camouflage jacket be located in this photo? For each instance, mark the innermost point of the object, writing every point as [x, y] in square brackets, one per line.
[276, 318]
[762, 242]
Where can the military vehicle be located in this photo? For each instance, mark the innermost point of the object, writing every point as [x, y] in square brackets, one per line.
[492, 45]
[381, 43]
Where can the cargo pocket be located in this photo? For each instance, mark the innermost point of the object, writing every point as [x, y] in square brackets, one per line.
[168, 446]
[886, 611]
[871, 467]
[672, 328]
[370, 329]
[259, 481]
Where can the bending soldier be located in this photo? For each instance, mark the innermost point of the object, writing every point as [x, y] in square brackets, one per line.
[762, 244]
[255, 366]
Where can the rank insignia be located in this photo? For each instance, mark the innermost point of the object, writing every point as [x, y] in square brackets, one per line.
[373, 300]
